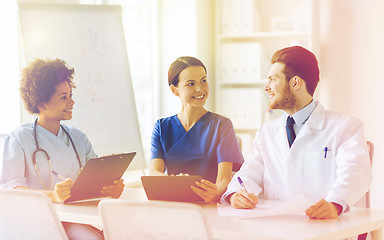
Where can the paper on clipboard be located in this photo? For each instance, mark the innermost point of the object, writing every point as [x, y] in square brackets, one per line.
[266, 208]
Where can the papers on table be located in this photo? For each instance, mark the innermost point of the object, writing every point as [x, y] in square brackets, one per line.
[267, 208]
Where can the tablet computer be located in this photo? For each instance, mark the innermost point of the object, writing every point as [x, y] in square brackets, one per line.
[171, 188]
[97, 173]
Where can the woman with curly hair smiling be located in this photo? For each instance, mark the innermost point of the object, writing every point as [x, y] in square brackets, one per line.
[34, 149]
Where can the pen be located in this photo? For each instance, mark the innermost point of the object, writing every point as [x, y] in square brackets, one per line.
[58, 175]
[325, 152]
[241, 183]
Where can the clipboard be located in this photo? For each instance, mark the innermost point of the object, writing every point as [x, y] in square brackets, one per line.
[171, 188]
[97, 173]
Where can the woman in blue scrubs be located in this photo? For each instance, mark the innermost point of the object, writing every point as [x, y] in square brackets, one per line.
[34, 149]
[195, 141]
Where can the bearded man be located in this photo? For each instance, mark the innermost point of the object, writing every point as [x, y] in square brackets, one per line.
[307, 151]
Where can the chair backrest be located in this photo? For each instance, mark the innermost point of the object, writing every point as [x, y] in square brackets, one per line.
[123, 219]
[28, 214]
[240, 141]
[366, 200]
[371, 150]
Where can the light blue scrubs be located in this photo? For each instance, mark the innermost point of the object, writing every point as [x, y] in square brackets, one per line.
[210, 141]
[16, 166]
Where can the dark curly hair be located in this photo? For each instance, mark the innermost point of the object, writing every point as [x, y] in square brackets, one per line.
[39, 79]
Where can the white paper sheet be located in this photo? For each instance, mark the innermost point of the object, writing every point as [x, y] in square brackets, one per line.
[268, 208]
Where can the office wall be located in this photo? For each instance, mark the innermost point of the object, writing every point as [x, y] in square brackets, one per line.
[185, 29]
[351, 62]
[9, 67]
[374, 95]
[137, 20]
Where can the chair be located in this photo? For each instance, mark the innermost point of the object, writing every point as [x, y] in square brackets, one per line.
[27, 214]
[124, 219]
[240, 141]
[366, 201]
[371, 150]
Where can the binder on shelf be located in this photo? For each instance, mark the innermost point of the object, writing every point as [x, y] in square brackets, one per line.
[283, 24]
[239, 16]
[226, 16]
[243, 106]
[240, 63]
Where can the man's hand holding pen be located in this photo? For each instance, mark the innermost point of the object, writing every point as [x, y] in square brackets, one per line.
[242, 198]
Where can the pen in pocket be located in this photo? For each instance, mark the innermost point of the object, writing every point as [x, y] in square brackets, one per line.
[325, 152]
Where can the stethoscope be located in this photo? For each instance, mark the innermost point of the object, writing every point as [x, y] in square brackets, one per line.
[38, 149]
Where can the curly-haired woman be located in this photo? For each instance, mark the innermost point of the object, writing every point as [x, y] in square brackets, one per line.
[34, 149]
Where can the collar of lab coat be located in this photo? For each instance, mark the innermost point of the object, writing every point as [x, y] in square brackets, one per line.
[314, 122]
[317, 118]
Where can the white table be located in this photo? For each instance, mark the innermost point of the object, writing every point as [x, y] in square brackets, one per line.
[296, 227]
[87, 212]
[293, 227]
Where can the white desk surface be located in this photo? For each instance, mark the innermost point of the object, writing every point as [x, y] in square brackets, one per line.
[88, 213]
[293, 227]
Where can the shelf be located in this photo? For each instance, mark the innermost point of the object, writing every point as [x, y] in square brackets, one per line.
[252, 36]
[250, 84]
[245, 130]
[247, 34]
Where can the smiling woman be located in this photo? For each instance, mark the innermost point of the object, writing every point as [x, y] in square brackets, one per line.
[45, 85]
[34, 150]
[195, 141]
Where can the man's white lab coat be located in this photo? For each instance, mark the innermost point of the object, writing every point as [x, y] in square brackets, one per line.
[328, 159]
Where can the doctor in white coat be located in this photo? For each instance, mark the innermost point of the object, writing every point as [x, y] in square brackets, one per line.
[327, 160]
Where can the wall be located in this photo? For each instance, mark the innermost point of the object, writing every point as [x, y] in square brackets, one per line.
[351, 63]
[9, 70]
[137, 19]
[375, 97]
[185, 29]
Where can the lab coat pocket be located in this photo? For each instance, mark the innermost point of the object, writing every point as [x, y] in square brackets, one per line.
[318, 171]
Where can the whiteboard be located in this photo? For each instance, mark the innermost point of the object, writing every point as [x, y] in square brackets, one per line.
[90, 38]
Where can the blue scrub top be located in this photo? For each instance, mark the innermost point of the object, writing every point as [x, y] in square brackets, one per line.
[210, 141]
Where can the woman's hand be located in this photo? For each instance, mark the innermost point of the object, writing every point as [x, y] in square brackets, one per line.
[212, 192]
[207, 191]
[62, 191]
[180, 174]
[114, 190]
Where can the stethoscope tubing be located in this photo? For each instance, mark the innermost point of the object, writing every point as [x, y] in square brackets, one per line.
[38, 149]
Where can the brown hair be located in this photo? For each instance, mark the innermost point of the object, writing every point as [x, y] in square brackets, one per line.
[179, 65]
[299, 62]
[39, 79]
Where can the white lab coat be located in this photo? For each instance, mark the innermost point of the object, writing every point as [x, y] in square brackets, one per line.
[281, 173]
[17, 169]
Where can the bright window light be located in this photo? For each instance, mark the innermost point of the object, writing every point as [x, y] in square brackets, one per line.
[9, 67]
